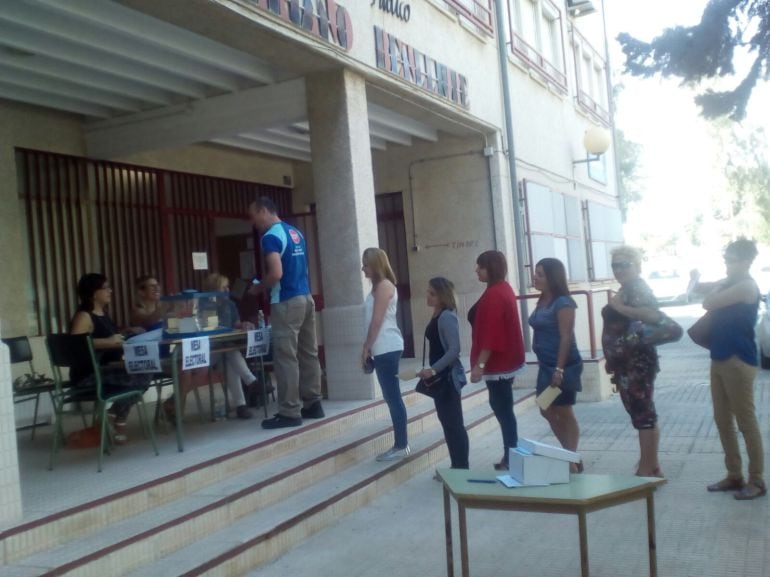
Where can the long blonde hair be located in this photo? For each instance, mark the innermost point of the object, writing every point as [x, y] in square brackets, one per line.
[377, 260]
[214, 281]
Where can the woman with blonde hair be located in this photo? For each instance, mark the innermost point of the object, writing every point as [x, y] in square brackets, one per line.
[443, 336]
[384, 344]
[234, 365]
[633, 364]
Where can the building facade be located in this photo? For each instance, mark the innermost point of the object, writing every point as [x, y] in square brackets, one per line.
[135, 132]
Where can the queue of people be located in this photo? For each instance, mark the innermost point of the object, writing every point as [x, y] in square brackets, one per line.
[496, 355]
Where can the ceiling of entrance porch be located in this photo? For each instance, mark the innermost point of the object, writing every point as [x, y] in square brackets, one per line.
[144, 84]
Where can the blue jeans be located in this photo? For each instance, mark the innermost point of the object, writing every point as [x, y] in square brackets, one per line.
[501, 401]
[386, 367]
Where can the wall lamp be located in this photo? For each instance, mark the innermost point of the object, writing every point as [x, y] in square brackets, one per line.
[596, 141]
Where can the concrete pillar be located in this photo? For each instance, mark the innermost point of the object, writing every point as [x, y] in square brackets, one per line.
[10, 487]
[347, 221]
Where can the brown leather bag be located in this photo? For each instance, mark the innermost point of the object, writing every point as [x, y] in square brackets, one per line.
[700, 332]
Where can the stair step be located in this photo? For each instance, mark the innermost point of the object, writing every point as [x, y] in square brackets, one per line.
[173, 525]
[56, 529]
[260, 537]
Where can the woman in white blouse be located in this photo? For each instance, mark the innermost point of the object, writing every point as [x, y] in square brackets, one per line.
[384, 344]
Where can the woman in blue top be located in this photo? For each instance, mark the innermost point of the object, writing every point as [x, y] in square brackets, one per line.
[560, 364]
[443, 337]
[733, 305]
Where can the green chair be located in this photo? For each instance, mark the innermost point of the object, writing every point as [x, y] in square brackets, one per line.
[66, 351]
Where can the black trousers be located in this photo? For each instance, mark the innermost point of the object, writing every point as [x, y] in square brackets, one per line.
[450, 414]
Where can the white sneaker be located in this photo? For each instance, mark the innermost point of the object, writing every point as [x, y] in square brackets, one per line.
[394, 454]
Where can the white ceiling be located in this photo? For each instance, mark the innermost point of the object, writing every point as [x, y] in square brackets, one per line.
[142, 83]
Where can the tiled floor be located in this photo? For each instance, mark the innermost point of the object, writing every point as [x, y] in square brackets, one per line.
[699, 534]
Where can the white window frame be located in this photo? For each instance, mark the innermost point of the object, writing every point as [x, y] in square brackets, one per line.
[547, 28]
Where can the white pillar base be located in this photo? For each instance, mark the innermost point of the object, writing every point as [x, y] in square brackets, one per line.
[343, 339]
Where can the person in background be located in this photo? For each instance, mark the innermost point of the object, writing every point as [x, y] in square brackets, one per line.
[443, 337]
[91, 318]
[384, 344]
[733, 304]
[497, 344]
[559, 362]
[633, 365]
[292, 318]
[148, 312]
[237, 372]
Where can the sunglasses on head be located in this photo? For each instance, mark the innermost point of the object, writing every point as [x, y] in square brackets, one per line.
[622, 265]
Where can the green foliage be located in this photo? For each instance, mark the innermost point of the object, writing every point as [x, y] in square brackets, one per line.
[702, 54]
[628, 164]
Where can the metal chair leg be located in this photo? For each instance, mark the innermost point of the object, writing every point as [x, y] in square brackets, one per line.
[147, 425]
[58, 433]
[34, 417]
[102, 433]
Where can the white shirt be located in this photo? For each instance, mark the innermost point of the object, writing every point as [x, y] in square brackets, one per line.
[389, 338]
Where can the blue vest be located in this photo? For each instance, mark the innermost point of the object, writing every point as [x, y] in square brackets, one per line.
[289, 243]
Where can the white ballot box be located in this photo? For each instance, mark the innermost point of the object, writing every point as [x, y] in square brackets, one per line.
[544, 450]
[529, 469]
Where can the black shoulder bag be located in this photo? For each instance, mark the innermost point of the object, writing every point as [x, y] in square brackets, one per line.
[435, 386]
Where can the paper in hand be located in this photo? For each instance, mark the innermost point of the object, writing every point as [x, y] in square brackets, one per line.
[547, 397]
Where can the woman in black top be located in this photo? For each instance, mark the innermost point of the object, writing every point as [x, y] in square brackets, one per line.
[443, 336]
[95, 295]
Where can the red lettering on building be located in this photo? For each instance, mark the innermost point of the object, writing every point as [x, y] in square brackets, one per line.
[324, 19]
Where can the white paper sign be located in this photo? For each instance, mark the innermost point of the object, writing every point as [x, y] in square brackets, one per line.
[195, 353]
[257, 343]
[200, 261]
[142, 357]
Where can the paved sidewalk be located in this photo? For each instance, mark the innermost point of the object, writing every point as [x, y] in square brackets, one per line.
[699, 534]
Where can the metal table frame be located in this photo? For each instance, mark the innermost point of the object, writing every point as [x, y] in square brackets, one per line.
[544, 500]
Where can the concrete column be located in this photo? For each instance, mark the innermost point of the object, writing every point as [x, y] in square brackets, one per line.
[347, 221]
[10, 487]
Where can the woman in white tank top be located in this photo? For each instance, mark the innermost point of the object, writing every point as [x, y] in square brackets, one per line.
[384, 344]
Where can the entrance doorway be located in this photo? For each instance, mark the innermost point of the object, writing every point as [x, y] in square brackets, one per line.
[391, 229]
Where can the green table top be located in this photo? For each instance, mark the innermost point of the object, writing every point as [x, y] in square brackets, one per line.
[583, 489]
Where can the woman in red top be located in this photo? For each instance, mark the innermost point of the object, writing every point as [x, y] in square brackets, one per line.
[497, 345]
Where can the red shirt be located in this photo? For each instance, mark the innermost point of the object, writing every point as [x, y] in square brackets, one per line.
[496, 327]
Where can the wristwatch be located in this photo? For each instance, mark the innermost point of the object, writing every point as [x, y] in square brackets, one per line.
[481, 365]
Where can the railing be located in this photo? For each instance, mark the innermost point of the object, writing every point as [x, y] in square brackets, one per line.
[591, 312]
[477, 11]
[590, 105]
[531, 56]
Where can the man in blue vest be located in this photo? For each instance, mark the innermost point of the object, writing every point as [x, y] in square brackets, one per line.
[292, 317]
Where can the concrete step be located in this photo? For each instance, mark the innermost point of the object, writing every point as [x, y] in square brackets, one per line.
[195, 516]
[53, 530]
[257, 538]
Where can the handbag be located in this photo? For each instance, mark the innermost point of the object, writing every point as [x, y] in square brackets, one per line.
[435, 386]
[665, 331]
[700, 332]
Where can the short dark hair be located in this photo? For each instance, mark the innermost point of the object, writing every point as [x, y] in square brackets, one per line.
[742, 249]
[493, 261]
[265, 202]
[556, 275]
[88, 284]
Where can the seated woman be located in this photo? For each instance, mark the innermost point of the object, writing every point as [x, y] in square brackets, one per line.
[95, 295]
[235, 368]
[148, 313]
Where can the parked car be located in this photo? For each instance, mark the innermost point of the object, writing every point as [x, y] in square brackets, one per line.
[763, 333]
[671, 286]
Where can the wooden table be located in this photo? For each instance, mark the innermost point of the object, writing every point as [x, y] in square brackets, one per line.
[584, 494]
[218, 343]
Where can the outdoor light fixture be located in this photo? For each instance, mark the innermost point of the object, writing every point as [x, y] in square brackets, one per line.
[596, 141]
[577, 8]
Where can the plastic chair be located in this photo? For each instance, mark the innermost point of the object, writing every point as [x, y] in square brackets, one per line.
[21, 352]
[67, 350]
